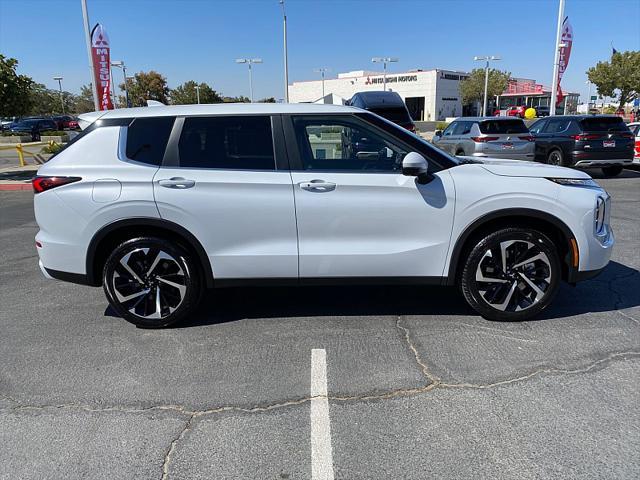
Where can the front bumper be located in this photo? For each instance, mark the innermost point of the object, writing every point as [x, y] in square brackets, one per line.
[506, 156]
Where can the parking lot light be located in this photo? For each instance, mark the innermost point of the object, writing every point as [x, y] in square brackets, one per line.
[486, 78]
[384, 61]
[249, 62]
[322, 71]
[120, 64]
[59, 79]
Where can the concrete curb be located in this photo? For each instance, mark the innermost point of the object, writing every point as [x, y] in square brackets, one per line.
[15, 186]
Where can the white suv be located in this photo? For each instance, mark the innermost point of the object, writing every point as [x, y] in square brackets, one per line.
[158, 203]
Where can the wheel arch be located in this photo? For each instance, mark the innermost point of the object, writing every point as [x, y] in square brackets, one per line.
[110, 235]
[552, 226]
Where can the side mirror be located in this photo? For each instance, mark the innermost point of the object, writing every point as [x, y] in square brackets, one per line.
[414, 165]
[438, 133]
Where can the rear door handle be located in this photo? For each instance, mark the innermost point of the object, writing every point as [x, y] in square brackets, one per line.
[176, 182]
[317, 186]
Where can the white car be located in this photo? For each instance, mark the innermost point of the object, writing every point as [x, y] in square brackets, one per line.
[158, 203]
[635, 128]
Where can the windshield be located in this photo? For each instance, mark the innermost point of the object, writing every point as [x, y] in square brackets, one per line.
[503, 127]
[395, 114]
[603, 124]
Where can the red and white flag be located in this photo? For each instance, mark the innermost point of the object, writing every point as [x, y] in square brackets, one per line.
[566, 39]
[100, 52]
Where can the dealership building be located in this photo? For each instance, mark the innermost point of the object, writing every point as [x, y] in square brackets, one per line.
[430, 95]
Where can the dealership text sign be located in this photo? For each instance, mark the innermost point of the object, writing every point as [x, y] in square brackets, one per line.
[396, 79]
[101, 66]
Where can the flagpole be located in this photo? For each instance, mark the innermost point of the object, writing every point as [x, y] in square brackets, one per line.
[87, 36]
[556, 61]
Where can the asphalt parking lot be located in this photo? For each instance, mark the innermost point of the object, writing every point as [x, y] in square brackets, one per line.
[417, 386]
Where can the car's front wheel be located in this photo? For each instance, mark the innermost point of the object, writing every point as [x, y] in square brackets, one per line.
[511, 275]
[151, 282]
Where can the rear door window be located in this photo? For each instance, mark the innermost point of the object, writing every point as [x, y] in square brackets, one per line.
[503, 127]
[558, 125]
[229, 142]
[147, 139]
[603, 124]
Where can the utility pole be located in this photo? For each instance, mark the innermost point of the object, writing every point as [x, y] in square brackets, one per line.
[120, 64]
[286, 56]
[556, 60]
[322, 71]
[384, 61]
[486, 79]
[87, 36]
[198, 94]
[250, 62]
[59, 79]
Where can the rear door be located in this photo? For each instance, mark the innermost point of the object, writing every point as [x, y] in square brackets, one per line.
[224, 178]
[357, 215]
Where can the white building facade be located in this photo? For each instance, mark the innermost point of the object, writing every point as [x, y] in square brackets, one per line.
[430, 95]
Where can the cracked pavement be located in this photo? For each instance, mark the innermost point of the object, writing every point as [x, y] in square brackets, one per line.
[418, 386]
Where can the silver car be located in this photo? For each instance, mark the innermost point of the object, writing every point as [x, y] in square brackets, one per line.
[496, 137]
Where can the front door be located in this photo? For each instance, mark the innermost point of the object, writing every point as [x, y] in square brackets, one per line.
[357, 215]
[224, 187]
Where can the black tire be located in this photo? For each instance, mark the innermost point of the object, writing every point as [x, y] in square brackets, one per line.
[137, 282]
[501, 299]
[556, 157]
[612, 171]
[460, 153]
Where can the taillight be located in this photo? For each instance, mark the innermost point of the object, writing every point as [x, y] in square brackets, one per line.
[484, 139]
[638, 148]
[586, 136]
[528, 138]
[42, 184]
[628, 135]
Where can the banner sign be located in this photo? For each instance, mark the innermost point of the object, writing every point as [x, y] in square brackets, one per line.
[565, 52]
[100, 51]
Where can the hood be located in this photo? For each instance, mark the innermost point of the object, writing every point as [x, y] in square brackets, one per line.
[520, 168]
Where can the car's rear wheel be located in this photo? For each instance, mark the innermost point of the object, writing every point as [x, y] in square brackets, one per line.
[555, 157]
[459, 153]
[511, 275]
[151, 282]
[612, 171]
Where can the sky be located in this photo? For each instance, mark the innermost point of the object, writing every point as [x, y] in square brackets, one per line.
[200, 39]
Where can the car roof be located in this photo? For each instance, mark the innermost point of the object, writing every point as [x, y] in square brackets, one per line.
[380, 99]
[480, 119]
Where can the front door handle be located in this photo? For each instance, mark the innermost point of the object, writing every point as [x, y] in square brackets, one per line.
[176, 182]
[317, 186]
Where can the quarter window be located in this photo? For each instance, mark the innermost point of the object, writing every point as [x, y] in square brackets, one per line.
[235, 143]
[147, 139]
[337, 144]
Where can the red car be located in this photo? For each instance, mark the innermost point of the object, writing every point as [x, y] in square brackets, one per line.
[513, 111]
[65, 122]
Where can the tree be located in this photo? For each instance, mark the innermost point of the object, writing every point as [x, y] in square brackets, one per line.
[267, 100]
[186, 94]
[15, 98]
[621, 75]
[44, 101]
[146, 86]
[239, 99]
[472, 88]
[84, 101]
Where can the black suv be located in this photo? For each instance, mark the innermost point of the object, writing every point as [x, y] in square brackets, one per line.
[584, 141]
[388, 105]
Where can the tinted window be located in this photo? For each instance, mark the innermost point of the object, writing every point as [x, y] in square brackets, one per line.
[463, 128]
[342, 144]
[538, 126]
[393, 114]
[147, 139]
[557, 125]
[450, 129]
[503, 127]
[603, 124]
[242, 142]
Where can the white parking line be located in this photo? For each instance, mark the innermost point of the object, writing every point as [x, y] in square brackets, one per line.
[321, 456]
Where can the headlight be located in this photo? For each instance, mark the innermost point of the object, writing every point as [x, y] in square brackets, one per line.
[599, 215]
[576, 182]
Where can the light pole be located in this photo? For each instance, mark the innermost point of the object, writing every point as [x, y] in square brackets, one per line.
[286, 56]
[59, 79]
[198, 94]
[322, 71]
[486, 78]
[384, 61]
[249, 61]
[120, 64]
[87, 37]
[556, 60]
[589, 97]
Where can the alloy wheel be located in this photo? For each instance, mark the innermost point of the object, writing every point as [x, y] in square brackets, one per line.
[513, 276]
[149, 283]
[555, 158]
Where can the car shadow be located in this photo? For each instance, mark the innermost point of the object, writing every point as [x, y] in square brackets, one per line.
[628, 172]
[232, 304]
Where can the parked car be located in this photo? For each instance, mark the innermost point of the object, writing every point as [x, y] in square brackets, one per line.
[27, 126]
[388, 105]
[584, 141]
[65, 122]
[516, 111]
[497, 137]
[123, 207]
[635, 129]
[6, 122]
[542, 111]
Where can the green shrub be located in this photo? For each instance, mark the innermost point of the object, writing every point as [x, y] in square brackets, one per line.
[15, 134]
[53, 133]
[51, 148]
[442, 125]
